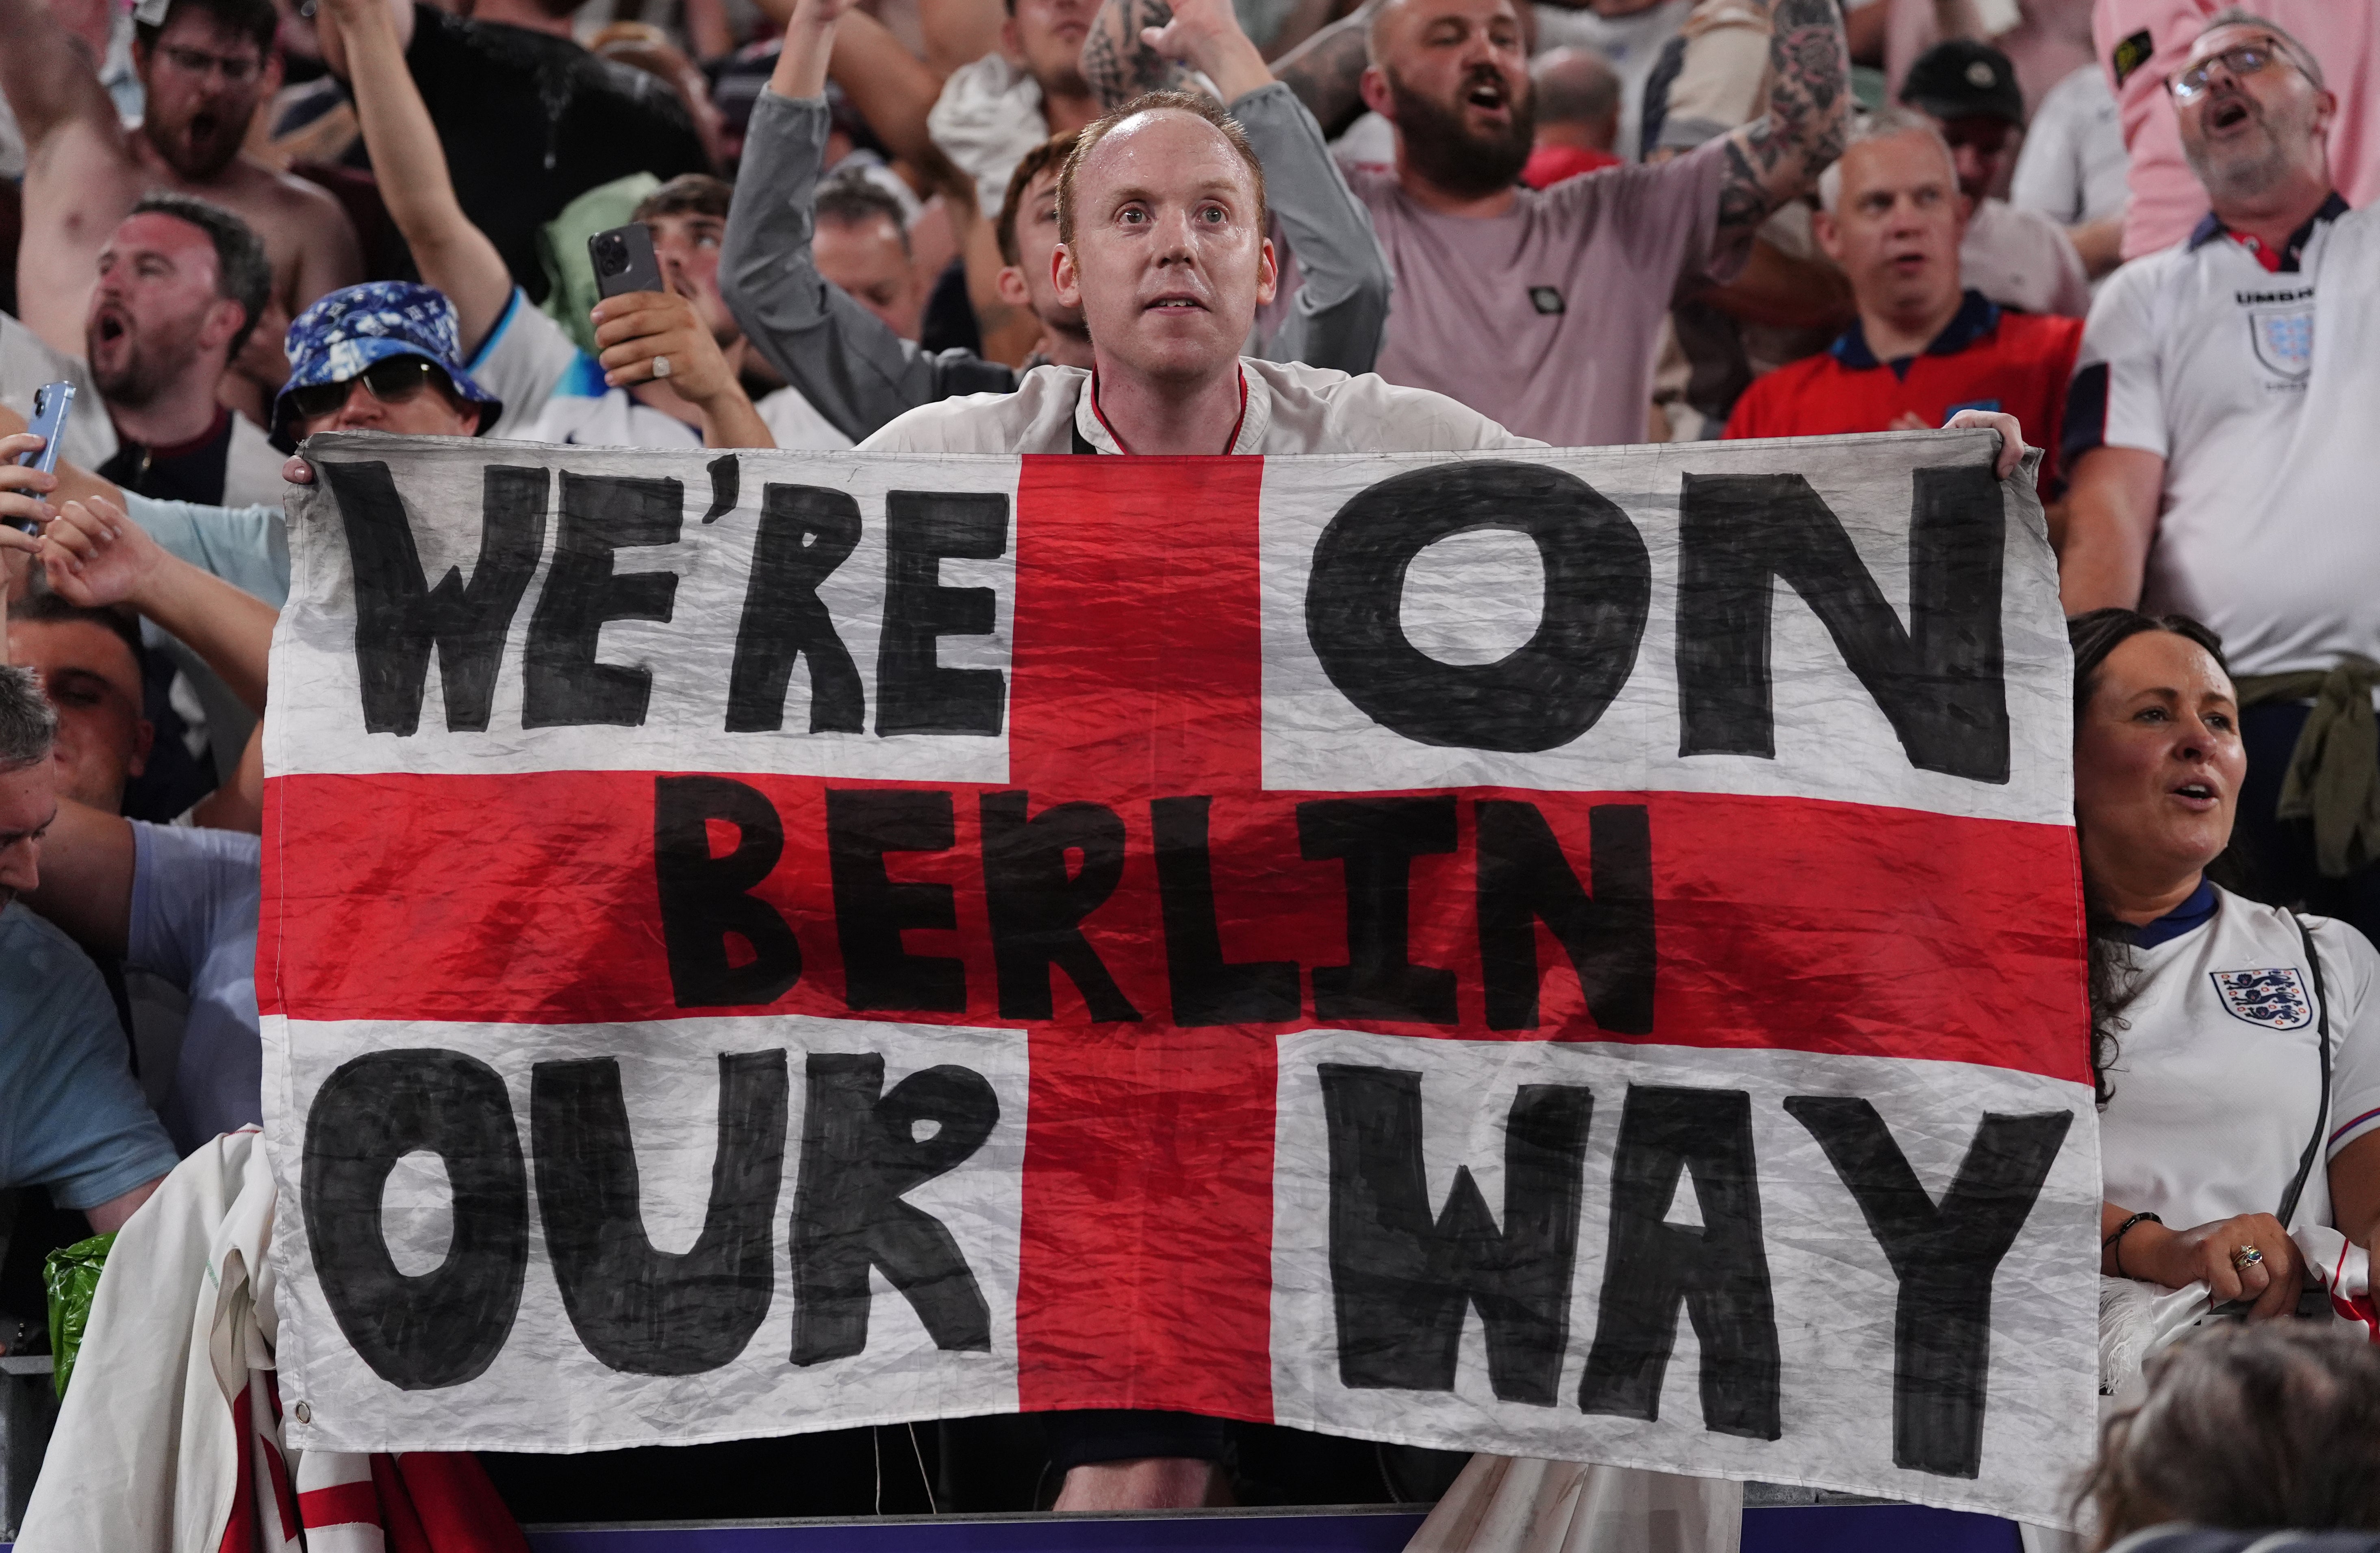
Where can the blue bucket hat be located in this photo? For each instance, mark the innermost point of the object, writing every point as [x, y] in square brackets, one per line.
[346, 332]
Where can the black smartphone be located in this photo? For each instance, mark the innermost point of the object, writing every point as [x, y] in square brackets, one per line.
[51, 403]
[623, 259]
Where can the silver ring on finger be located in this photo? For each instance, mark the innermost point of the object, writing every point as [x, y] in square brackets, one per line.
[661, 367]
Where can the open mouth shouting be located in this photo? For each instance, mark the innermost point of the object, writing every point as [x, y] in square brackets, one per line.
[1174, 301]
[2199, 797]
[2228, 111]
[111, 329]
[1486, 94]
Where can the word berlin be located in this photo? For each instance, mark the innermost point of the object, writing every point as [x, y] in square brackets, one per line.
[1332, 835]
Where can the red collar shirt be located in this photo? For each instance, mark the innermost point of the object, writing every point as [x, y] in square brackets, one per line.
[1985, 358]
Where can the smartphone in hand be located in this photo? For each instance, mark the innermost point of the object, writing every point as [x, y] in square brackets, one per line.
[623, 259]
[51, 403]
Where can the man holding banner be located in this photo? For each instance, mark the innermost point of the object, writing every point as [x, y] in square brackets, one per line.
[1500, 930]
[1173, 715]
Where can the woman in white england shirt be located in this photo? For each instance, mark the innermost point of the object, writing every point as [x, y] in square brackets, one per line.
[2206, 1007]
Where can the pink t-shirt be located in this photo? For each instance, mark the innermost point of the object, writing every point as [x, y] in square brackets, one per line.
[1545, 318]
[2167, 198]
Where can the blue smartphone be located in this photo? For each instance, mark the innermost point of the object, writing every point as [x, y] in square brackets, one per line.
[51, 403]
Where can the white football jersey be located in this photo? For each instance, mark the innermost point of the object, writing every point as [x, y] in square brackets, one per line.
[2263, 399]
[2218, 1077]
[554, 392]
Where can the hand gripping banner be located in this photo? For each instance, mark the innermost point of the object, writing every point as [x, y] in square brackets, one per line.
[1569, 953]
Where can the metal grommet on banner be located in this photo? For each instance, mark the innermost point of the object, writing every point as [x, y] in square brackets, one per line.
[304, 1414]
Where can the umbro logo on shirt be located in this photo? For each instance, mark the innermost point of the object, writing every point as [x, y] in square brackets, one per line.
[2273, 998]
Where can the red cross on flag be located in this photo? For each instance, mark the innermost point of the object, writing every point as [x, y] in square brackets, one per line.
[1566, 953]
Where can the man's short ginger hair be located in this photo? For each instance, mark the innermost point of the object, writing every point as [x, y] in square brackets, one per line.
[1051, 152]
[1198, 104]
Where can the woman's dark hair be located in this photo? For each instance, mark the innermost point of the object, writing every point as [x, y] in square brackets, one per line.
[2263, 1428]
[2092, 637]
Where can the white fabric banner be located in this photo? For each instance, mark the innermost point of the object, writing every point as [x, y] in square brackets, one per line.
[1566, 953]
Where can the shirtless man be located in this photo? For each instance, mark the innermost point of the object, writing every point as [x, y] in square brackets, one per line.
[204, 70]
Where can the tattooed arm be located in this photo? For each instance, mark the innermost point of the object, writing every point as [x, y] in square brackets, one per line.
[1778, 157]
[1202, 34]
[1117, 63]
[1327, 70]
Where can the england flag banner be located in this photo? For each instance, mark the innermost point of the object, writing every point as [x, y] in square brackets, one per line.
[1565, 953]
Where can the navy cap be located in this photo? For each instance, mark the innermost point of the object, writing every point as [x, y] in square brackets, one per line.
[1964, 80]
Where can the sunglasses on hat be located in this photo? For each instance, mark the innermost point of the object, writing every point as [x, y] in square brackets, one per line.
[391, 380]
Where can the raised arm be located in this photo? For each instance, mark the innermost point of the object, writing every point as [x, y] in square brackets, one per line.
[1120, 59]
[1778, 156]
[49, 84]
[95, 555]
[896, 93]
[958, 32]
[1327, 70]
[410, 164]
[890, 87]
[843, 359]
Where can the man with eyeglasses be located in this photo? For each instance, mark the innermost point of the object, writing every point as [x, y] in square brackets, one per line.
[2017, 258]
[2142, 44]
[2223, 439]
[205, 68]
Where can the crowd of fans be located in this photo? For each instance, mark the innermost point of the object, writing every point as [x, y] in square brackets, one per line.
[1213, 226]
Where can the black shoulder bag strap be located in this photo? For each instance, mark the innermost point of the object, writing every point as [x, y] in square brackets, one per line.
[2321, 1111]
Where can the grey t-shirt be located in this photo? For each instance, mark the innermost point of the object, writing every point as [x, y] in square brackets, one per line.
[72, 1118]
[1545, 318]
[194, 901]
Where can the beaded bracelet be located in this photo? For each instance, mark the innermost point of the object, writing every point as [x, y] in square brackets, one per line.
[2121, 1230]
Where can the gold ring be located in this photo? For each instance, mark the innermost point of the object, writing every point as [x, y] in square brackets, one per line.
[2246, 1257]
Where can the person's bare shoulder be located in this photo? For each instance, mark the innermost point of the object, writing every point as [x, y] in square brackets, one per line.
[287, 192]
